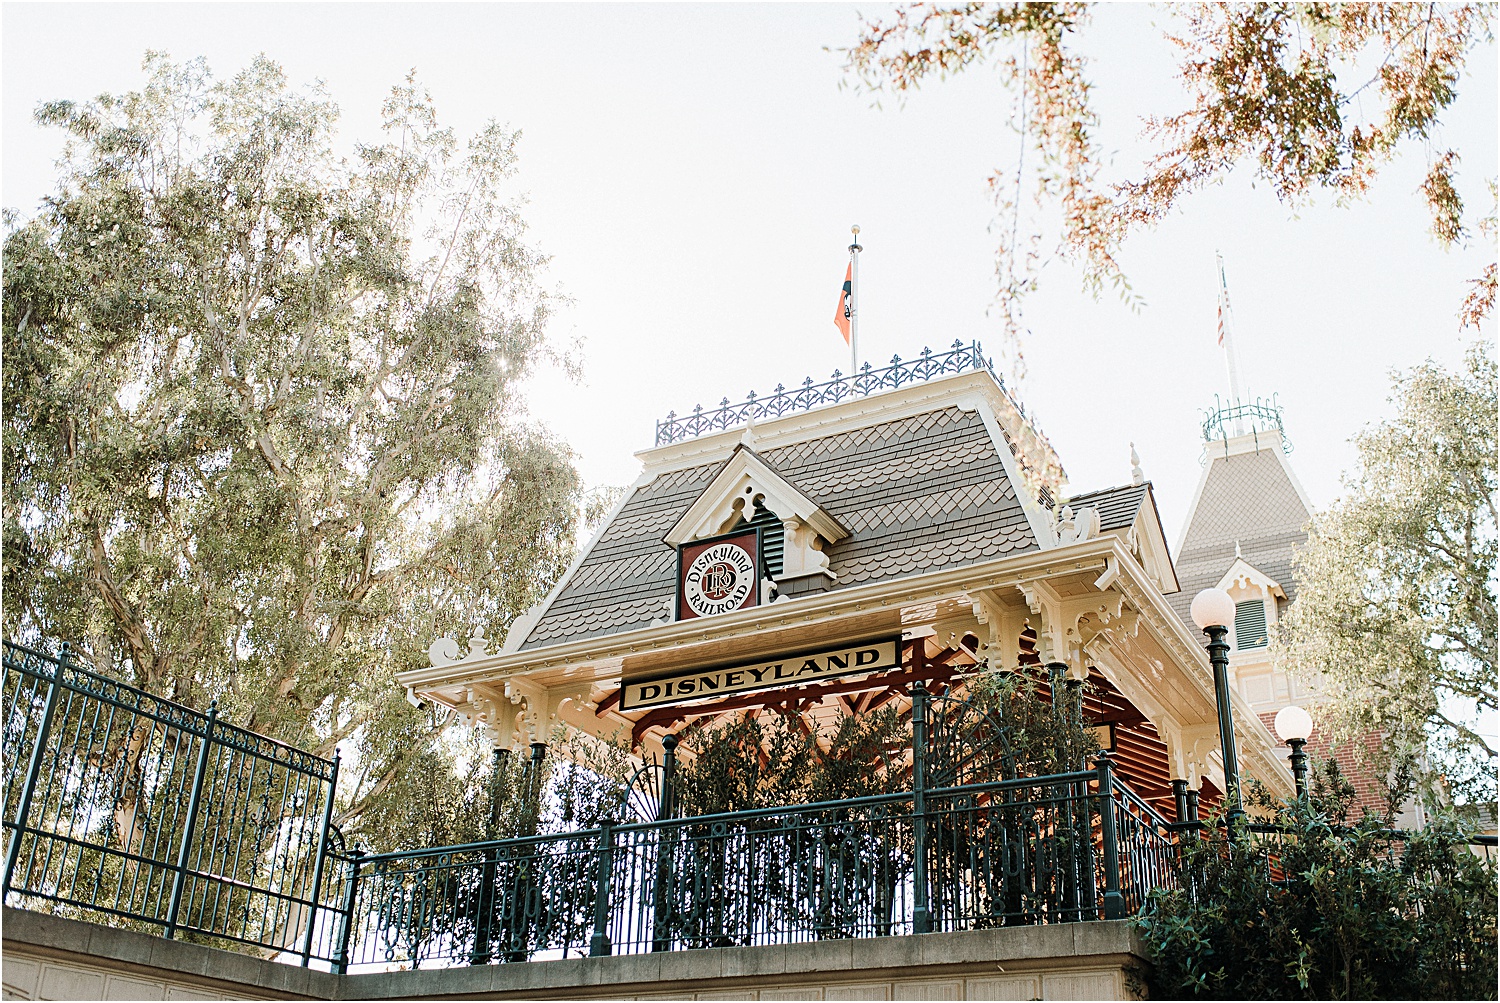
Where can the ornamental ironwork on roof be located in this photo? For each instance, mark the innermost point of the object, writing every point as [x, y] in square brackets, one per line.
[1226, 420]
[960, 358]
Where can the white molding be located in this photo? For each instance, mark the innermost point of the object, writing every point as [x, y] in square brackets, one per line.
[1037, 517]
[1244, 570]
[820, 607]
[746, 478]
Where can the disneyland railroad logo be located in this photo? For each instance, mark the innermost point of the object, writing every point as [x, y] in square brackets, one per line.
[718, 575]
[719, 579]
[783, 670]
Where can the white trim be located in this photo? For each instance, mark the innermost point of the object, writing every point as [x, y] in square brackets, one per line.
[1039, 518]
[1243, 569]
[744, 469]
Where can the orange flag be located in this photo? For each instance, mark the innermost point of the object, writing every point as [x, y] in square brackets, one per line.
[841, 312]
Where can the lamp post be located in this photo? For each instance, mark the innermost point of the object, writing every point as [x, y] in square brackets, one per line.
[1293, 726]
[1213, 612]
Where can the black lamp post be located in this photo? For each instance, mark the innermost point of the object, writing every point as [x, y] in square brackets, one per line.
[1293, 726]
[1213, 612]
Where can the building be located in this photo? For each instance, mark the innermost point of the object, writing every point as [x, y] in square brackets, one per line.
[919, 510]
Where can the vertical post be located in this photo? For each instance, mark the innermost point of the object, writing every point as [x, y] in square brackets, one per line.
[499, 760]
[1226, 339]
[666, 839]
[180, 880]
[1218, 655]
[1180, 799]
[1075, 798]
[1299, 766]
[1114, 901]
[599, 946]
[921, 916]
[1192, 806]
[854, 250]
[667, 805]
[317, 881]
[38, 751]
[346, 914]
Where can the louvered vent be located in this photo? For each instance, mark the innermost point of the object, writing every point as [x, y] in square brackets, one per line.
[1250, 624]
[772, 538]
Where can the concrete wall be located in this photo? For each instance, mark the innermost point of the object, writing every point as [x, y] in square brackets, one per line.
[46, 957]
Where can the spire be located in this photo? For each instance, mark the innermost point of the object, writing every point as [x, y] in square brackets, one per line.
[1137, 476]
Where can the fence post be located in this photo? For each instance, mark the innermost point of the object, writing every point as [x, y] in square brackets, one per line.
[317, 881]
[599, 945]
[1114, 901]
[199, 772]
[38, 750]
[346, 914]
[499, 767]
[921, 916]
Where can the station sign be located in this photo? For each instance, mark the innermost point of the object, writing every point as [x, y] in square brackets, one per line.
[796, 669]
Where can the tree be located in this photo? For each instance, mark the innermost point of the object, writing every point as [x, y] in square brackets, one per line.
[1395, 608]
[1313, 96]
[261, 427]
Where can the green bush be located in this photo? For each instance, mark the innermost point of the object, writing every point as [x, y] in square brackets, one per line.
[1324, 910]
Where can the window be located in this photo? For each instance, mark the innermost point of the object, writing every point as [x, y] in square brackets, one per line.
[772, 541]
[1250, 624]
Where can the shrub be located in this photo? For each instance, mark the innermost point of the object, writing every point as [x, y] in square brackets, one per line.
[1320, 910]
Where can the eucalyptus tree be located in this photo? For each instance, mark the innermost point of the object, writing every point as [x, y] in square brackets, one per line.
[262, 427]
[1395, 610]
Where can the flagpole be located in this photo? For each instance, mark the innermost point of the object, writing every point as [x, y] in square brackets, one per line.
[1227, 327]
[854, 250]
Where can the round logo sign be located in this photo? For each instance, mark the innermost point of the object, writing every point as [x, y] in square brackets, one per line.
[719, 579]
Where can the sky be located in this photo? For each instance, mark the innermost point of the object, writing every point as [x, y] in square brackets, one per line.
[693, 172]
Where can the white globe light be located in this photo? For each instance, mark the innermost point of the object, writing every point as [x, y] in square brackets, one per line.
[1293, 723]
[1212, 608]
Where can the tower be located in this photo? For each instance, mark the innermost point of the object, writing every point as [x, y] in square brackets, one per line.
[1247, 515]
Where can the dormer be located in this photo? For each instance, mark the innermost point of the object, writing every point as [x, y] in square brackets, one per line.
[1255, 611]
[747, 486]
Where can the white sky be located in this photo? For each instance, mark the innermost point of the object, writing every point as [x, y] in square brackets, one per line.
[694, 171]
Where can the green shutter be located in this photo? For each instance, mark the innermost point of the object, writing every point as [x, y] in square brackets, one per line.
[1250, 624]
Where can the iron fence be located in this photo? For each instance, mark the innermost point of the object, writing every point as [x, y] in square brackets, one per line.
[1008, 853]
[124, 806]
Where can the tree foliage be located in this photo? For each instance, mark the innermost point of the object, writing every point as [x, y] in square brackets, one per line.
[1396, 605]
[1322, 910]
[262, 435]
[1311, 96]
[772, 759]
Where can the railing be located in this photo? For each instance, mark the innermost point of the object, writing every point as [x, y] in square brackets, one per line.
[960, 358]
[1001, 854]
[123, 806]
[1230, 418]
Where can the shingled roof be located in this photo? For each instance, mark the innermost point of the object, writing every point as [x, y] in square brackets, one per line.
[1246, 499]
[1117, 507]
[917, 494]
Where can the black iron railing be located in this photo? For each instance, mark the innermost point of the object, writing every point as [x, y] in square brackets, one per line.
[134, 810]
[959, 358]
[123, 806]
